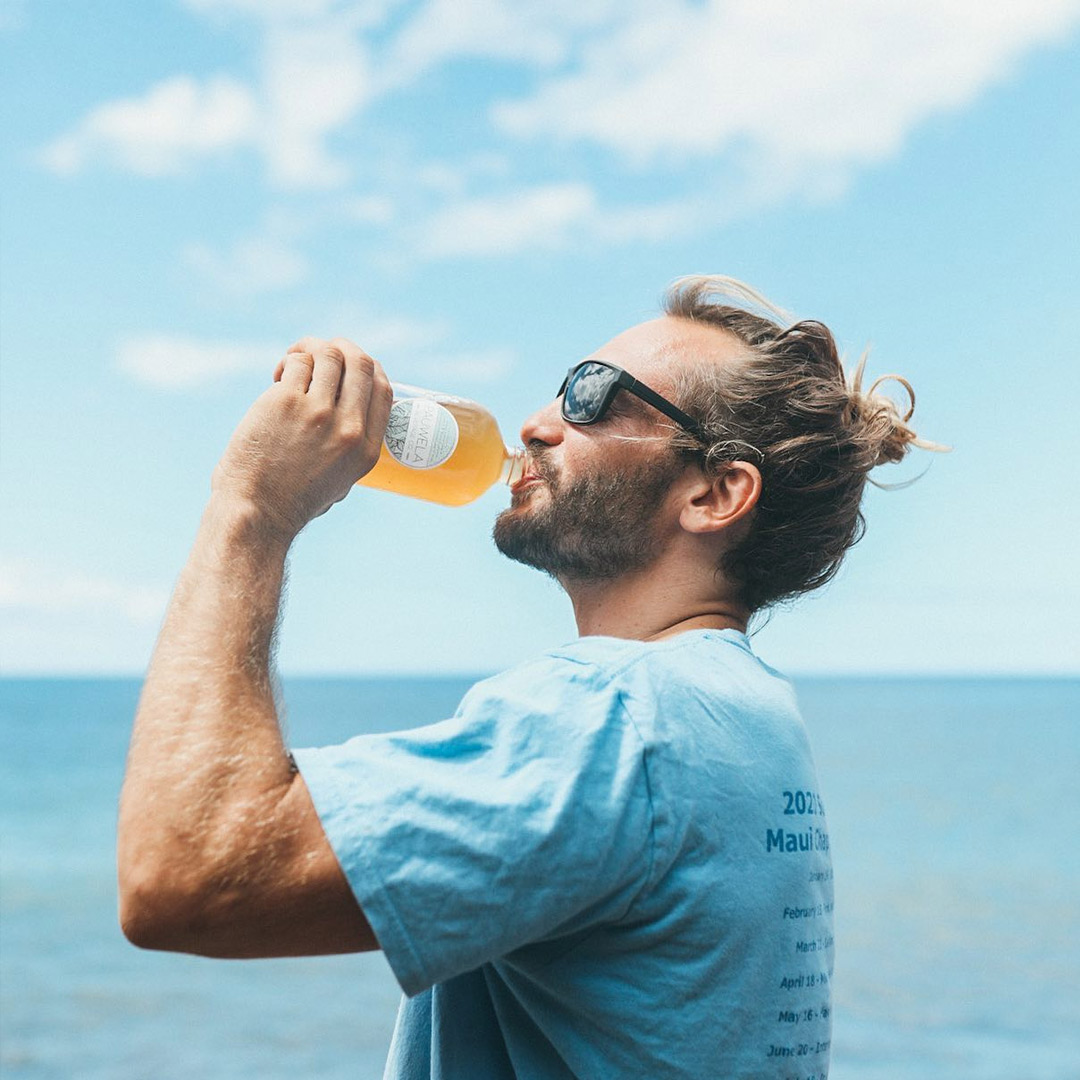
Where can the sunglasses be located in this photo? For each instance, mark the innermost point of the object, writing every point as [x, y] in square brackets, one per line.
[590, 387]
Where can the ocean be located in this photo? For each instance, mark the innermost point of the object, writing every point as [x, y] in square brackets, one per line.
[954, 813]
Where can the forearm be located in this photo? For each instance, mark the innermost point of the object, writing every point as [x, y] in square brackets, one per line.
[220, 848]
[207, 762]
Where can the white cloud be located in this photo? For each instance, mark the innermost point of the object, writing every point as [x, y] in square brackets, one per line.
[31, 588]
[839, 81]
[763, 100]
[419, 351]
[180, 363]
[548, 217]
[410, 348]
[381, 335]
[443, 371]
[369, 209]
[529, 218]
[249, 267]
[57, 620]
[176, 123]
[661, 221]
[456, 177]
[735, 105]
[313, 79]
[277, 9]
[535, 32]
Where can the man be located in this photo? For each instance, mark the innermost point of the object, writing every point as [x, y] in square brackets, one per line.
[613, 860]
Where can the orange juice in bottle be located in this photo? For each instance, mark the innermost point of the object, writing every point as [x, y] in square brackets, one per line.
[442, 448]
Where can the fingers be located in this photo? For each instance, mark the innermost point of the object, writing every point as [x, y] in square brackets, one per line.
[296, 367]
[366, 396]
[299, 348]
[363, 379]
[380, 398]
[327, 367]
[339, 371]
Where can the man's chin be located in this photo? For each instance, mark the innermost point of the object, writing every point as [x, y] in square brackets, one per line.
[514, 531]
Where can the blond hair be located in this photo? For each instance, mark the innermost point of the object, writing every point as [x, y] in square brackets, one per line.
[786, 405]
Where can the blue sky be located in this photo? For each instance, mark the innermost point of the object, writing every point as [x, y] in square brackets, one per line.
[481, 192]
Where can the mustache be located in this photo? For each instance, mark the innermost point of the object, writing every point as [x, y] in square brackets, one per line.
[538, 455]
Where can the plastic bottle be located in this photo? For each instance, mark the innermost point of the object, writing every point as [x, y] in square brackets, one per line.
[442, 448]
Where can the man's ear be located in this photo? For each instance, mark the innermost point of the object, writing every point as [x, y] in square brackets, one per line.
[712, 505]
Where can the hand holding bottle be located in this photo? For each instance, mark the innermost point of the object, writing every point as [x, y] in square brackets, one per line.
[307, 439]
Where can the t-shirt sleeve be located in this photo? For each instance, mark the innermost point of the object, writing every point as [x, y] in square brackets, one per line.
[524, 818]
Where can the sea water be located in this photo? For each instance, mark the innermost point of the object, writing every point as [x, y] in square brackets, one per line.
[954, 812]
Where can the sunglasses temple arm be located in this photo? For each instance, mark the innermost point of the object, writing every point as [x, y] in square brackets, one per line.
[672, 412]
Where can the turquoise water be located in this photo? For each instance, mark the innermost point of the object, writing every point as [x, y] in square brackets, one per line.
[954, 810]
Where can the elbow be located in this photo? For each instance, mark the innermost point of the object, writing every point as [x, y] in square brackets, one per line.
[152, 915]
[169, 911]
[165, 888]
[139, 926]
[181, 893]
[149, 899]
[163, 906]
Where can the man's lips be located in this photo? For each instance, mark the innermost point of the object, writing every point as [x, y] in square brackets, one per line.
[527, 481]
[538, 470]
[536, 473]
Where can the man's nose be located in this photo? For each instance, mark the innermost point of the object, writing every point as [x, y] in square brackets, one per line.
[545, 425]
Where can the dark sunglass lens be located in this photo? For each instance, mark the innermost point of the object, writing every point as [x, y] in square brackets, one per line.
[585, 392]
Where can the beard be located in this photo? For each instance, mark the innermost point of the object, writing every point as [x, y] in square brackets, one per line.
[595, 528]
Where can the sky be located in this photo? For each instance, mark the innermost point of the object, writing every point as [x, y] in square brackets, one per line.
[480, 193]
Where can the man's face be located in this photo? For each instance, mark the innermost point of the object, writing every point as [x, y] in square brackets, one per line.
[592, 527]
[591, 506]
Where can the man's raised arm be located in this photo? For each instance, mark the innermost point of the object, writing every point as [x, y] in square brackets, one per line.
[220, 851]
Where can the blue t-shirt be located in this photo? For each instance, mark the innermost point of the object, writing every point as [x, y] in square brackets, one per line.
[611, 862]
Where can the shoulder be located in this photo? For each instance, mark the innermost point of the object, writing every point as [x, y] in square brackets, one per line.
[557, 697]
[715, 669]
[704, 688]
[596, 679]
[579, 669]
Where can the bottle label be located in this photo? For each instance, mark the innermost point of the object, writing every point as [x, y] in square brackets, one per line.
[421, 433]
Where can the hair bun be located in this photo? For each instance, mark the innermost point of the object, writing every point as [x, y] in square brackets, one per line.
[883, 430]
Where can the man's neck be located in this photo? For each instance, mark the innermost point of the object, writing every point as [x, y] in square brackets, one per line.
[649, 606]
